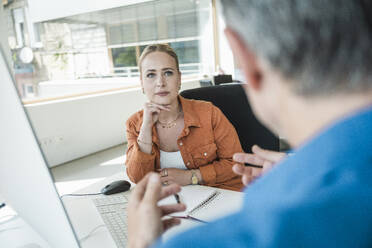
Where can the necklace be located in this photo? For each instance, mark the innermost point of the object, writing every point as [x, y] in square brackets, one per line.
[171, 123]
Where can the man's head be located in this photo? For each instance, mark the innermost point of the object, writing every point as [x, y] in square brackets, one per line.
[314, 48]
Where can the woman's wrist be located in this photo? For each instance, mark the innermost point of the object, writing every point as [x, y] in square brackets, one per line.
[195, 173]
[145, 135]
[146, 125]
[143, 142]
[199, 176]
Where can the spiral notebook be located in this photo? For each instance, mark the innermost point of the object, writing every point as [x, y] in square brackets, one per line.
[196, 197]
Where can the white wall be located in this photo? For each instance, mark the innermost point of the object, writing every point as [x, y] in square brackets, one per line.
[73, 128]
[69, 87]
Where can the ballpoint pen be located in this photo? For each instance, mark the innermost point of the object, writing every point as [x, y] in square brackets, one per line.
[177, 198]
[190, 218]
[253, 165]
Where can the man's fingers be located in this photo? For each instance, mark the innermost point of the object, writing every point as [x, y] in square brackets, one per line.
[241, 169]
[247, 179]
[256, 172]
[153, 188]
[267, 154]
[139, 190]
[174, 208]
[169, 190]
[248, 158]
[168, 223]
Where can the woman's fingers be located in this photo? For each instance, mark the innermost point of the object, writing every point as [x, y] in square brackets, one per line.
[272, 156]
[168, 223]
[168, 180]
[174, 208]
[151, 104]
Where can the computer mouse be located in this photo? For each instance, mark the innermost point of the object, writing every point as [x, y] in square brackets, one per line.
[116, 187]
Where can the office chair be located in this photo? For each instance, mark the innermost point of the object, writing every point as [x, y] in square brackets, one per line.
[232, 101]
[222, 79]
[205, 82]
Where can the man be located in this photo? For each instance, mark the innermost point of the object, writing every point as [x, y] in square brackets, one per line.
[308, 66]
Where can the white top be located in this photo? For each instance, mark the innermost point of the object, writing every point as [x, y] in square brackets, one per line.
[171, 160]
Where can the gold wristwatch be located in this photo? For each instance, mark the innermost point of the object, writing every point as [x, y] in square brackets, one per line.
[194, 178]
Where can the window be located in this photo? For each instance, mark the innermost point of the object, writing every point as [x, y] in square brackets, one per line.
[106, 44]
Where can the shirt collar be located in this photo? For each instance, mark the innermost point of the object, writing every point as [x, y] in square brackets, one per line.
[190, 115]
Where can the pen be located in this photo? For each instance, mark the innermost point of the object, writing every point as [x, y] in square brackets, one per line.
[253, 165]
[177, 198]
[2, 205]
[189, 218]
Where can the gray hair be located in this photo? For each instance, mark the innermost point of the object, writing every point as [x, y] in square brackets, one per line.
[322, 46]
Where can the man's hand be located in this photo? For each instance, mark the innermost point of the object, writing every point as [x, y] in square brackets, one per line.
[145, 222]
[261, 157]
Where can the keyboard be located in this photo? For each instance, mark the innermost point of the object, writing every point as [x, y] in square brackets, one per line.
[113, 211]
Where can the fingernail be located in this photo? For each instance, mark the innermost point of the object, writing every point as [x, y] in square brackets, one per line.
[154, 178]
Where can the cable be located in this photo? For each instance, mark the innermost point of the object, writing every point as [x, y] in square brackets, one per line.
[10, 216]
[80, 194]
[90, 233]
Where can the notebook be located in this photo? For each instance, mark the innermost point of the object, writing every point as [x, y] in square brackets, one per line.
[195, 197]
[225, 202]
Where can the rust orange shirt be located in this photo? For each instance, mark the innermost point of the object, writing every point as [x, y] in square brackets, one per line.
[207, 142]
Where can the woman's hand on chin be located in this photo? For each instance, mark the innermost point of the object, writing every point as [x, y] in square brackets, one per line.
[174, 175]
[151, 112]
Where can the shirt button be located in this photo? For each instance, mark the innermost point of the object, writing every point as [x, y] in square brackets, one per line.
[181, 143]
[205, 154]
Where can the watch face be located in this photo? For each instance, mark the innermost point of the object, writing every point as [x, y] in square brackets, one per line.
[194, 179]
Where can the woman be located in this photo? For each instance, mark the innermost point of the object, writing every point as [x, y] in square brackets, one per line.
[186, 141]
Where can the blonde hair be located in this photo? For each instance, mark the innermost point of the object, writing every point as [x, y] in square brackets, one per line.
[165, 48]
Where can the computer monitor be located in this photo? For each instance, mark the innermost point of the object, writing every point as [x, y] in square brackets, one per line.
[25, 180]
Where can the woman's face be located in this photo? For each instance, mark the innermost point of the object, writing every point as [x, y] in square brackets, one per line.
[160, 78]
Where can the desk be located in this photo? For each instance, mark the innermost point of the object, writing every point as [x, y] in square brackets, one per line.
[85, 218]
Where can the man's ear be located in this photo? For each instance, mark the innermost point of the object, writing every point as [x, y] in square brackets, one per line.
[246, 60]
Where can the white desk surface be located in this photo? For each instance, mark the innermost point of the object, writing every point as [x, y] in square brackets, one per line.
[18, 234]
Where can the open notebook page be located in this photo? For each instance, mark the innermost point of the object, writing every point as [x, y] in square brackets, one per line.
[224, 203]
[194, 196]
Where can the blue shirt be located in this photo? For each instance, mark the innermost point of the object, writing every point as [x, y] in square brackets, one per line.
[319, 197]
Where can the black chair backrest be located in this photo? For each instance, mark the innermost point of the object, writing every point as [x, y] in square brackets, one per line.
[233, 102]
[205, 82]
